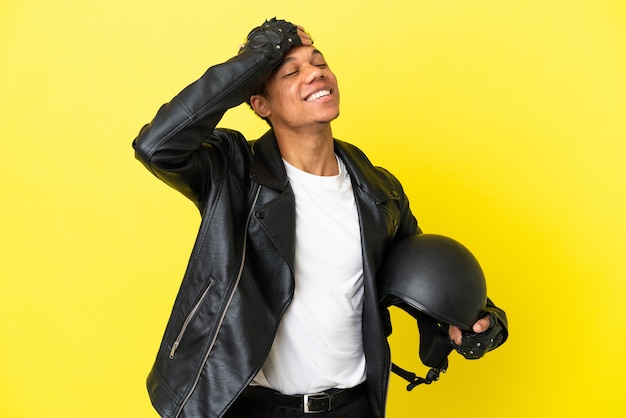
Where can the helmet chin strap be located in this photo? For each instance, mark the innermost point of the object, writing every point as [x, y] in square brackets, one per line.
[414, 380]
[433, 351]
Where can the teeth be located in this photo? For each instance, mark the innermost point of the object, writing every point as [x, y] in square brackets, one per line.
[317, 95]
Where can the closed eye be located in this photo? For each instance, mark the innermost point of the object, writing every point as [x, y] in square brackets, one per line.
[292, 73]
[290, 69]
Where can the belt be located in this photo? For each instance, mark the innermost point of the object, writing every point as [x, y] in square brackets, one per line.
[310, 403]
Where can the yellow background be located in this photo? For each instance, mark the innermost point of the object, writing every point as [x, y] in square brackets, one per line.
[505, 120]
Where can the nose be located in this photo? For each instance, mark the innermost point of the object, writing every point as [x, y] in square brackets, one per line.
[312, 73]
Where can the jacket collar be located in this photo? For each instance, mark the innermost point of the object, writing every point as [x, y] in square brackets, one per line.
[268, 168]
[267, 164]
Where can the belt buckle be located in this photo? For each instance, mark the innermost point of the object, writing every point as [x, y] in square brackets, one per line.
[321, 396]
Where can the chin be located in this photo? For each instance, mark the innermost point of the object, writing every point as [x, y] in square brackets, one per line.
[329, 118]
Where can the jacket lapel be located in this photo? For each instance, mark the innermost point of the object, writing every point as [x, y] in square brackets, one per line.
[276, 209]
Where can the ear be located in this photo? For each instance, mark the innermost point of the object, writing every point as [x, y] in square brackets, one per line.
[259, 104]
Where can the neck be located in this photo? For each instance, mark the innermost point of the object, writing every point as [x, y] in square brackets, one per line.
[310, 151]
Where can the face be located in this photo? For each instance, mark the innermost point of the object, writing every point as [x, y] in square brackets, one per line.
[301, 92]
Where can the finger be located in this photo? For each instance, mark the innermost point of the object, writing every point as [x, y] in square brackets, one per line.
[482, 324]
[305, 38]
[455, 334]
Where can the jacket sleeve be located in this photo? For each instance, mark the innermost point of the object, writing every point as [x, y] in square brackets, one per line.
[174, 146]
[499, 323]
[407, 223]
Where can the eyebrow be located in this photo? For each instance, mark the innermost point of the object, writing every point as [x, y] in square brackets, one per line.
[291, 58]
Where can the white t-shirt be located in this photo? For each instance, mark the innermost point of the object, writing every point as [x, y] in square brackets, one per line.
[319, 342]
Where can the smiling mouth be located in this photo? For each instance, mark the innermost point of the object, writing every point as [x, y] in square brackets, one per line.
[317, 95]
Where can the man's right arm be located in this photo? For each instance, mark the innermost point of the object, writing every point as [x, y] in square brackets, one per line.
[171, 145]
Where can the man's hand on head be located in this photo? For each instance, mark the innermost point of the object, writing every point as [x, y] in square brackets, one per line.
[274, 38]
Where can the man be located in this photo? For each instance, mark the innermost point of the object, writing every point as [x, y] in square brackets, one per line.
[279, 301]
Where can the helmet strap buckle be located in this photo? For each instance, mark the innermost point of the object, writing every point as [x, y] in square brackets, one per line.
[414, 380]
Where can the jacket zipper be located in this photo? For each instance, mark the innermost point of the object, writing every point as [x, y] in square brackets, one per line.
[188, 320]
[230, 298]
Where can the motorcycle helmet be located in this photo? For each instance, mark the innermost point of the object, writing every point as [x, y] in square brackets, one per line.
[439, 282]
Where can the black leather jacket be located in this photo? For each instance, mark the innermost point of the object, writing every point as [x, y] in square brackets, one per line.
[239, 280]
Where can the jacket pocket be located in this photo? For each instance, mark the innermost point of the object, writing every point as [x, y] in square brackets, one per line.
[189, 318]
